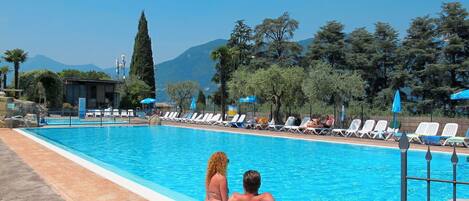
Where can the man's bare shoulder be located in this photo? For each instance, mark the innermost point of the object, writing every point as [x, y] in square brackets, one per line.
[261, 197]
[264, 197]
[236, 197]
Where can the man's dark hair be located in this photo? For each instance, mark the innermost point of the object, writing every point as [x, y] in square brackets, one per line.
[251, 181]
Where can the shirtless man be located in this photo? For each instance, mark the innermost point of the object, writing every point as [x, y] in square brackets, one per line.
[251, 184]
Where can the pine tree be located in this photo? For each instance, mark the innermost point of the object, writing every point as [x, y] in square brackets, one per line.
[141, 66]
[419, 56]
[358, 56]
[384, 57]
[328, 45]
[241, 39]
[454, 29]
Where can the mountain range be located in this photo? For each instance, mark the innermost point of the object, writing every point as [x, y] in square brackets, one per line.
[192, 64]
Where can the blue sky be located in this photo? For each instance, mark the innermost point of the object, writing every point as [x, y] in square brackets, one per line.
[97, 31]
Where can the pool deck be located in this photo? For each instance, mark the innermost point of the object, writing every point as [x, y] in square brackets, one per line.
[70, 180]
[61, 178]
[19, 182]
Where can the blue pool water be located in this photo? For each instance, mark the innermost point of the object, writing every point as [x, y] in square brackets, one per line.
[77, 121]
[176, 158]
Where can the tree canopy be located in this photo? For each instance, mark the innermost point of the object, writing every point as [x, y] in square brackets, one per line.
[182, 92]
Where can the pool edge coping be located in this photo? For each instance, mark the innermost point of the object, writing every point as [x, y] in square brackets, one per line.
[132, 186]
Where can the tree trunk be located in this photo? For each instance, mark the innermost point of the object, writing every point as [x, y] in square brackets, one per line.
[5, 81]
[17, 68]
[278, 105]
[223, 93]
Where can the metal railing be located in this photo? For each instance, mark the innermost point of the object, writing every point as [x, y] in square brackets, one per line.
[404, 147]
[90, 117]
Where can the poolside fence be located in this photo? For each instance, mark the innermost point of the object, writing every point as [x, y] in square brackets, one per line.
[404, 147]
[70, 118]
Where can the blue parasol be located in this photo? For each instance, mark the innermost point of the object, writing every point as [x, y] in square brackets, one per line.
[148, 101]
[396, 107]
[462, 95]
[193, 105]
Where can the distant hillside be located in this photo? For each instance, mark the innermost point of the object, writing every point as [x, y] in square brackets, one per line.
[305, 44]
[40, 62]
[193, 64]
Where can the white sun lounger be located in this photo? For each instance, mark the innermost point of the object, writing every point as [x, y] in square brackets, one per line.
[450, 130]
[431, 129]
[107, 112]
[192, 118]
[205, 118]
[115, 113]
[367, 128]
[214, 119]
[458, 140]
[301, 127]
[166, 115]
[379, 130]
[131, 113]
[354, 126]
[97, 113]
[239, 123]
[290, 121]
[234, 119]
[124, 113]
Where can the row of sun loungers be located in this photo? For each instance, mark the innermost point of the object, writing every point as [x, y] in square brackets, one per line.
[110, 113]
[207, 118]
[426, 132]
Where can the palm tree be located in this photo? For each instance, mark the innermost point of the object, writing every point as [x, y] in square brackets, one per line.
[4, 71]
[226, 61]
[16, 56]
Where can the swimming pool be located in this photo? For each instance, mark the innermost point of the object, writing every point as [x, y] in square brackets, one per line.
[77, 121]
[176, 158]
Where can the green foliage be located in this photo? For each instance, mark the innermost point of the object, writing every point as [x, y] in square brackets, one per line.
[362, 67]
[3, 76]
[141, 66]
[453, 26]
[132, 92]
[273, 41]
[329, 45]
[384, 57]
[90, 75]
[227, 60]
[42, 86]
[53, 88]
[182, 92]
[326, 85]
[201, 102]
[274, 84]
[241, 40]
[16, 56]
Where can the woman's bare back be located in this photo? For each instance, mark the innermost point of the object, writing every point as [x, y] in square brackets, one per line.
[217, 189]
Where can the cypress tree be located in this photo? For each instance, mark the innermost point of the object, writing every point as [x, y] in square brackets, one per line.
[141, 66]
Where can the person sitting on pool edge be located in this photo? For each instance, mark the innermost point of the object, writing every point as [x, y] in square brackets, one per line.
[251, 184]
[216, 185]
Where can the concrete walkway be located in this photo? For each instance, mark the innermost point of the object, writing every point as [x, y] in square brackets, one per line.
[19, 182]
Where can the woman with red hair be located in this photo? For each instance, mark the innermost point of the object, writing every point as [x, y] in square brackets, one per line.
[216, 185]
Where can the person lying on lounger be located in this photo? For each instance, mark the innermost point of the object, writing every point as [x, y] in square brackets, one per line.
[314, 123]
[328, 122]
[251, 184]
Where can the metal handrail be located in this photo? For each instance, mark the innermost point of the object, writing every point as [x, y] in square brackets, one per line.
[404, 147]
